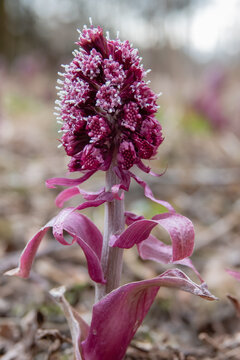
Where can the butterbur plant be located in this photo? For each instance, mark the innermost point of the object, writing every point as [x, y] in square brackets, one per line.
[107, 115]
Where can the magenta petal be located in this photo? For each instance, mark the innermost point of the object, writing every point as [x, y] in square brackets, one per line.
[156, 174]
[156, 250]
[87, 195]
[131, 217]
[95, 199]
[28, 255]
[80, 226]
[87, 235]
[66, 195]
[98, 200]
[101, 194]
[51, 183]
[234, 273]
[82, 230]
[87, 204]
[148, 193]
[181, 231]
[179, 228]
[134, 234]
[118, 315]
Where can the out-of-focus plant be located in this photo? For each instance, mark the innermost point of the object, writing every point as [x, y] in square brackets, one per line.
[233, 299]
[106, 111]
[208, 102]
[234, 273]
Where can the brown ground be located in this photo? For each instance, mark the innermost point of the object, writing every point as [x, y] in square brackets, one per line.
[202, 182]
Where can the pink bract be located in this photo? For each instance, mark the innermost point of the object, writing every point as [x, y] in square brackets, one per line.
[81, 229]
[234, 273]
[179, 228]
[119, 314]
[154, 249]
[124, 310]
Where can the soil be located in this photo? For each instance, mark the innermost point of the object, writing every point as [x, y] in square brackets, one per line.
[202, 181]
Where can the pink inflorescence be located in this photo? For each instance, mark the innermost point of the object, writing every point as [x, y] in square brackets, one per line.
[106, 108]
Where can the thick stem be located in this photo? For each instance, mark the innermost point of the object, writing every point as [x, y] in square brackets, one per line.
[113, 224]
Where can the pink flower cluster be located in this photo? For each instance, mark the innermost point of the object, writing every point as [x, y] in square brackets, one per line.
[105, 107]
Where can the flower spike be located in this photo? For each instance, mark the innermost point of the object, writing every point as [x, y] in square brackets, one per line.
[106, 107]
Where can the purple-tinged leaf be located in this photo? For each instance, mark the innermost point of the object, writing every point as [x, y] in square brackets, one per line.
[179, 228]
[88, 204]
[101, 198]
[156, 174]
[82, 230]
[143, 167]
[148, 170]
[181, 231]
[234, 273]
[124, 177]
[134, 234]
[51, 183]
[131, 217]
[148, 193]
[87, 195]
[156, 250]
[78, 327]
[66, 195]
[27, 256]
[118, 315]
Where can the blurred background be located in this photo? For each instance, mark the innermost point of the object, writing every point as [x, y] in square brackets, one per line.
[193, 49]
